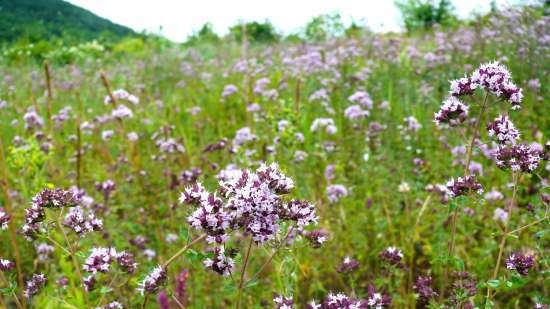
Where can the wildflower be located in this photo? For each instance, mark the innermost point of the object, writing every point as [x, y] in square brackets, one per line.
[242, 136]
[518, 157]
[348, 265]
[44, 250]
[504, 130]
[112, 305]
[362, 98]
[500, 215]
[121, 94]
[340, 300]
[210, 217]
[329, 172]
[355, 112]
[392, 256]
[493, 195]
[89, 283]
[55, 198]
[4, 219]
[520, 263]
[181, 281]
[452, 112]
[6, 265]
[34, 285]
[106, 188]
[220, 263]
[163, 301]
[326, 123]
[99, 260]
[336, 192]
[282, 302]
[229, 90]
[169, 145]
[300, 211]
[153, 281]
[107, 135]
[377, 300]
[216, 146]
[132, 136]
[540, 306]
[464, 286]
[81, 224]
[32, 119]
[121, 111]
[496, 78]
[126, 261]
[462, 86]
[300, 156]
[317, 237]
[463, 185]
[424, 290]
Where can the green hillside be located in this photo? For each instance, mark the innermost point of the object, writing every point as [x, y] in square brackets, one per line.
[34, 20]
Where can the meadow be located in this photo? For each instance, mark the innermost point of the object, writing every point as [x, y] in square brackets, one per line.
[370, 171]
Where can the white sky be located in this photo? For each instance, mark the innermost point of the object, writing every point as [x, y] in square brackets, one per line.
[179, 18]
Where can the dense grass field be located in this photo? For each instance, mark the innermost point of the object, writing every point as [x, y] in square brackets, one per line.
[254, 176]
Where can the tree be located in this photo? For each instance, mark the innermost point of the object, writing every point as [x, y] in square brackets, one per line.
[205, 35]
[255, 32]
[423, 14]
[323, 27]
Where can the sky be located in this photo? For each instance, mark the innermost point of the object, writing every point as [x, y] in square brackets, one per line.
[177, 19]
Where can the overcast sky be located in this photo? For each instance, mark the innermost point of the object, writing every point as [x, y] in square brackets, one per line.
[179, 18]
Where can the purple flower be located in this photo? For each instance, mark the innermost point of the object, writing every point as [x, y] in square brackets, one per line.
[392, 256]
[323, 123]
[220, 263]
[355, 112]
[452, 112]
[282, 302]
[55, 198]
[520, 263]
[34, 285]
[503, 130]
[89, 283]
[6, 265]
[462, 86]
[336, 192]
[424, 290]
[317, 237]
[181, 283]
[300, 211]
[4, 219]
[99, 260]
[496, 78]
[112, 305]
[81, 223]
[126, 261]
[362, 98]
[463, 186]
[229, 90]
[518, 157]
[153, 281]
[348, 265]
[163, 301]
[377, 300]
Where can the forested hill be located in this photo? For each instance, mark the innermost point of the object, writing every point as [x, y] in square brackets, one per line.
[35, 20]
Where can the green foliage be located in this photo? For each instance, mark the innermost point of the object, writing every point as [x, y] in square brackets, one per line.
[255, 32]
[31, 21]
[205, 35]
[424, 14]
[323, 27]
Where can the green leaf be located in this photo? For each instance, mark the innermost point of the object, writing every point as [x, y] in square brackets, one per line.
[493, 283]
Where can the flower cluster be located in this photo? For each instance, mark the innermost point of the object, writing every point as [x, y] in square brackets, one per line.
[335, 192]
[452, 112]
[392, 256]
[81, 223]
[496, 78]
[112, 305]
[348, 265]
[248, 200]
[34, 285]
[504, 130]
[153, 281]
[47, 198]
[317, 237]
[121, 94]
[520, 263]
[6, 265]
[4, 219]
[377, 300]
[282, 302]
[518, 157]
[424, 290]
[101, 259]
[463, 186]
[362, 98]
[326, 123]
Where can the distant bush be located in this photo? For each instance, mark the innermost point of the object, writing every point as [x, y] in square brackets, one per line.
[423, 14]
[255, 32]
